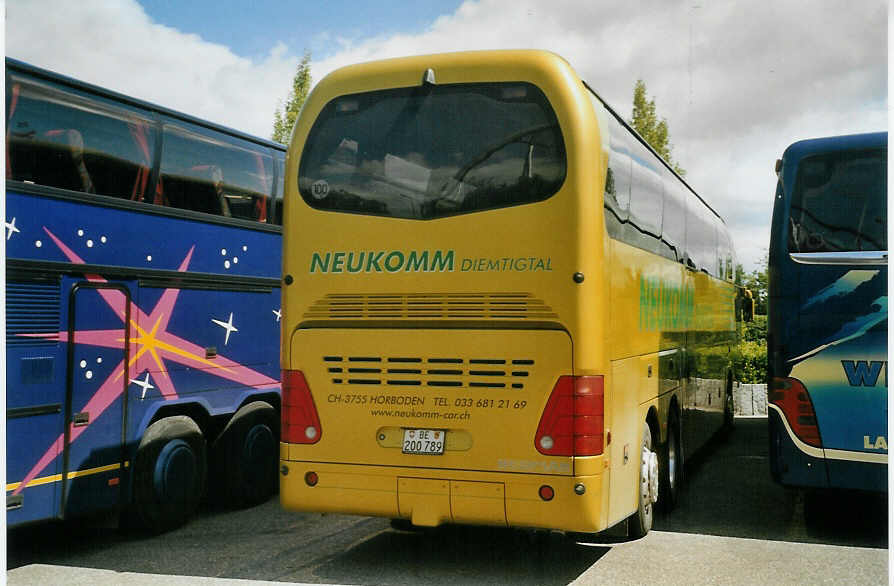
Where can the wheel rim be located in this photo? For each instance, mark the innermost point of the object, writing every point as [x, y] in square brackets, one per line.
[175, 471]
[648, 475]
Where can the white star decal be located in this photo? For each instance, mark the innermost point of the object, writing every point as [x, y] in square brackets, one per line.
[278, 314]
[11, 227]
[228, 326]
[145, 384]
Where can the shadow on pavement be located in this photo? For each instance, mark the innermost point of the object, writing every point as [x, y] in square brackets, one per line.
[468, 555]
[729, 492]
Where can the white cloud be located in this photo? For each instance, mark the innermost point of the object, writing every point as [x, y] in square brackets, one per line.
[737, 81]
[117, 46]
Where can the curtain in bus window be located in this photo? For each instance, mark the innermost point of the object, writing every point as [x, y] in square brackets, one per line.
[280, 167]
[214, 173]
[66, 139]
[840, 203]
[430, 152]
[138, 131]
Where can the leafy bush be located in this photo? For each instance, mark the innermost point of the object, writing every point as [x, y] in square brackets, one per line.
[755, 331]
[750, 361]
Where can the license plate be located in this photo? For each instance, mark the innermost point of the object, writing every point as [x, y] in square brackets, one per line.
[424, 441]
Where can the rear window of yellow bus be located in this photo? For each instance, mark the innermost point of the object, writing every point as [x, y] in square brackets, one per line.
[433, 151]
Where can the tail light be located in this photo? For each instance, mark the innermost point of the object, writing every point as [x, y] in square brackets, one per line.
[300, 421]
[791, 396]
[573, 421]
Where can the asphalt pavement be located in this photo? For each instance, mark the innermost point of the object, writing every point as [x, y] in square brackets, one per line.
[732, 525]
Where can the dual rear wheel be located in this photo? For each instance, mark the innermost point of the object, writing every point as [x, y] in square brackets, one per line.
[660, 476]
[172, 463]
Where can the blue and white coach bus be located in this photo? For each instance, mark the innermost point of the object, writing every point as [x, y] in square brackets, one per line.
[142, 306]
[828, 315]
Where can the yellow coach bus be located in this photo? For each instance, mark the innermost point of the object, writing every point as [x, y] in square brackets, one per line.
[500, 305]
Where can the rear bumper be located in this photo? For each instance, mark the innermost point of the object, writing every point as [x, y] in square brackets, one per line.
[793, 464]
[433, 497]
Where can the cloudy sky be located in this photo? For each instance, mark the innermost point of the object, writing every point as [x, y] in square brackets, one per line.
[737, 80]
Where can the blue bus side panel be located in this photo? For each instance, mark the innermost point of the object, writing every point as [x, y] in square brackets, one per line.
[210, 348]
[27, 439]
[858, 475]
[124, 238]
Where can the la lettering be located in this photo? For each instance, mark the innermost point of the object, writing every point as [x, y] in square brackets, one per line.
[879, 444]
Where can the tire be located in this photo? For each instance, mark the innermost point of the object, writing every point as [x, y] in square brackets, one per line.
[169, 473]
[671, 466]
[246, 456]
[641, 522]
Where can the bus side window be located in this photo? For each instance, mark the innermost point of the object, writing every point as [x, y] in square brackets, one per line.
[278, 188]
[223, 176]
[701, 238]
[644, 227]
[617, 181]
[68, 140]
[673, 229]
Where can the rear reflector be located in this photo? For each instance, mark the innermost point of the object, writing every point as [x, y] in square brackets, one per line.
[300, 421]
[572, 423]
[791, 396]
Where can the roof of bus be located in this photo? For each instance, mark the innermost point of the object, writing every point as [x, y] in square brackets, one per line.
[17, 65]
[808, 146]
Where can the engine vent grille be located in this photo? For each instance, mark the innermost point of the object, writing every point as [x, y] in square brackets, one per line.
[454, 306]
[32, 308]
[429, 372]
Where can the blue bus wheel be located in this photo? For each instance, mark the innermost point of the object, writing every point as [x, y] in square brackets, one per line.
[169, 473]
[246, 456]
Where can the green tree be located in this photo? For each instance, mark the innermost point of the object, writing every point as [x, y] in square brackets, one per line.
[285, 115]
[645, 121]
[756, 281]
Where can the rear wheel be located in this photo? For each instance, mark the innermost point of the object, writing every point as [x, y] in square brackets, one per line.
[246, 454]
[169, 473]
[641, 521]
[671, 466]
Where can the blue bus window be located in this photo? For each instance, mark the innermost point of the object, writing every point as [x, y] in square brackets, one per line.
[61, 139]
[225, 177]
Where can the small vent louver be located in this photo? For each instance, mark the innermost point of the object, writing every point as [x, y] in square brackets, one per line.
[457, 306]
[32, 308]
[430, 372]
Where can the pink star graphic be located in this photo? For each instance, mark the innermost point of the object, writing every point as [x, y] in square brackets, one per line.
[149, 348]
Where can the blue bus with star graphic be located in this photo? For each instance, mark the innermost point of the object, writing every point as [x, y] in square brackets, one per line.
[142, 306]
[827, 335]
